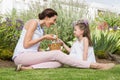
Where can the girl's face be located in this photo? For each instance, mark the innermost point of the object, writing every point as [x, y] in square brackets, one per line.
[77, 31]
[50, 21]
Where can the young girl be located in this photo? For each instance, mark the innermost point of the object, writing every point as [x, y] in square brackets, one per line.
[82, 47]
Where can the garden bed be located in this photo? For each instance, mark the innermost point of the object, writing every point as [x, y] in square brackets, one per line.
[6, 63]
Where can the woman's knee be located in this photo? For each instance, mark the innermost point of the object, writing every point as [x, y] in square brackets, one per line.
[16, 62]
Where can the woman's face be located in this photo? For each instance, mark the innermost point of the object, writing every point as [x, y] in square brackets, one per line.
[77, 31]
[50, 21]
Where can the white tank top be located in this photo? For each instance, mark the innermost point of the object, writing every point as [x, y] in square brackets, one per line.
[19, 47]
[77, 51]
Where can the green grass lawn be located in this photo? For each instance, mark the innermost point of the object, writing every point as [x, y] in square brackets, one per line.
[61, 74]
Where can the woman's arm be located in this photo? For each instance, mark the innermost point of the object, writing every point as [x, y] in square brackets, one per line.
[30, 28]
[85, 46]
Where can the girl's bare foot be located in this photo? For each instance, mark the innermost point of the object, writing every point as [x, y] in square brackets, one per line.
[102, 66]
[107, 66]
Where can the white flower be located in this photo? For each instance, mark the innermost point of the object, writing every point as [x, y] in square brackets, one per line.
[3, 20]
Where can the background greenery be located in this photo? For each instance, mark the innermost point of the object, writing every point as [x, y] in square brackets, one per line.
[104, 41]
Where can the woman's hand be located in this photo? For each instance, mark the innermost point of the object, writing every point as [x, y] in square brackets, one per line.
[49, 37]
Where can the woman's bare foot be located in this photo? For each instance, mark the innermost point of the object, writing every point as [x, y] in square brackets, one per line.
[26, 68]
[20, 67]
[102, 66]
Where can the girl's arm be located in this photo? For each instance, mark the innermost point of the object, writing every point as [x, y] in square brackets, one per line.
[85, 46]
[30, 28]
[65, 46]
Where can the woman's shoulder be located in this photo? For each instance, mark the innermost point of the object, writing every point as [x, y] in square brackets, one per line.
[32, 21]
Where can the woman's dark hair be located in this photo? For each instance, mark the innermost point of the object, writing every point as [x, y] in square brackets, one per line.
[83, 25]
[47, 13]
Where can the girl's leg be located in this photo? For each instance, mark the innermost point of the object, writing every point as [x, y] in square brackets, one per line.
[102, 66]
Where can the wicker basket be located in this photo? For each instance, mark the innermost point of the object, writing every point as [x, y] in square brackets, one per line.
[55, 46]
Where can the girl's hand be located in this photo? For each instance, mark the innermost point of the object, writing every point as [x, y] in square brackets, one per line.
[49, 37]
[64, 45]
[61, 41]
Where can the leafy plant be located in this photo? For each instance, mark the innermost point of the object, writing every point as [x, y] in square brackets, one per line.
[112, 19]
[9, 33]
[105, 41]
[6, 54]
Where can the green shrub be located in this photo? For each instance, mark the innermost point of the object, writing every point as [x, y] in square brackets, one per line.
[112, 19]
[10, 28]
[101, 54]
[6, 54]
[10, 32]
[105, 42]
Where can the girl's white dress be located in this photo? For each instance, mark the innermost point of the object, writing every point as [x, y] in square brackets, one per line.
[77, 51]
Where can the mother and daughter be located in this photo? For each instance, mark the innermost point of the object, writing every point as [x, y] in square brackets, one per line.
[26, 55]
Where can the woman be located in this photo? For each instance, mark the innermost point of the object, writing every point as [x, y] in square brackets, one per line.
[26, 54]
